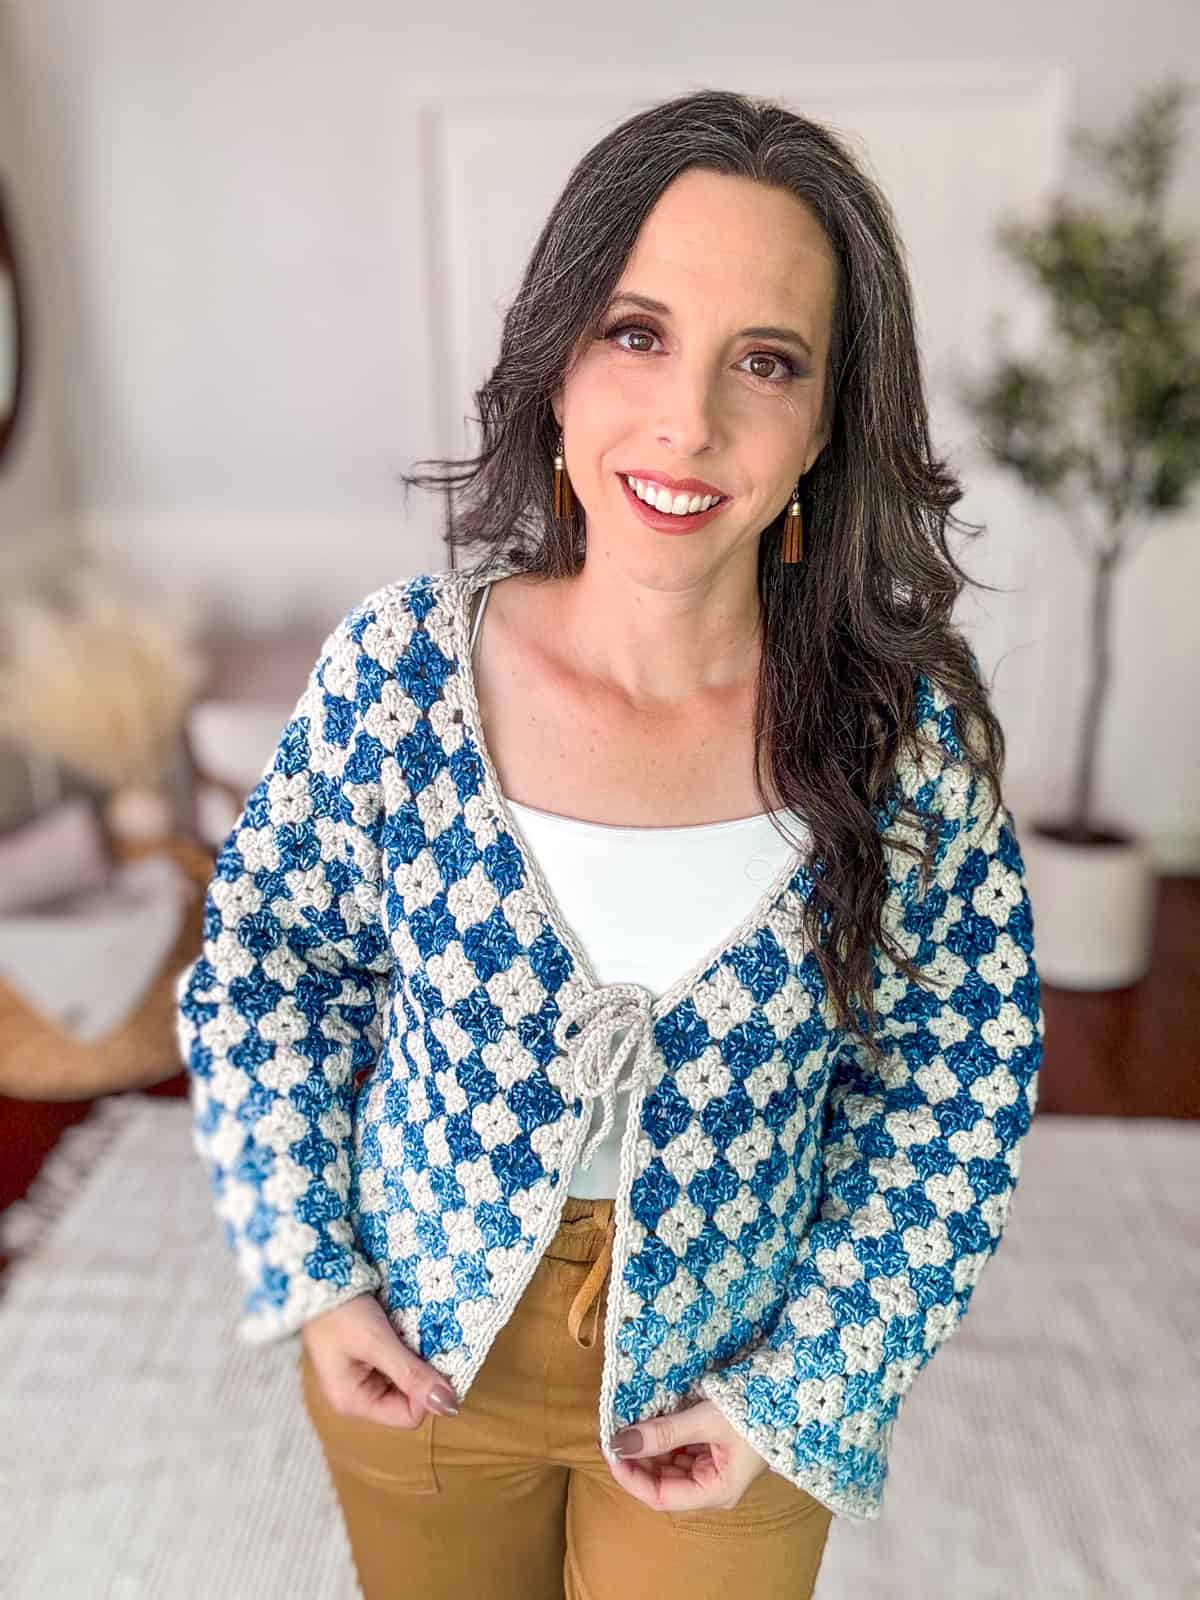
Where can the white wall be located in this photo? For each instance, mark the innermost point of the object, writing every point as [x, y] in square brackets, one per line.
[33, 474]
[37, 530]
[236, 257]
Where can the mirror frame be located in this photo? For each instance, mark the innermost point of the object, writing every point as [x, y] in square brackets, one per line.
[10, 264]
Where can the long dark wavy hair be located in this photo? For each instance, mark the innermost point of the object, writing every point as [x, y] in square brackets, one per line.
[845, 630]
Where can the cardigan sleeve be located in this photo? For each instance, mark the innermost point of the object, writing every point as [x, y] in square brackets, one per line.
[917, 1170]
[286, 1001]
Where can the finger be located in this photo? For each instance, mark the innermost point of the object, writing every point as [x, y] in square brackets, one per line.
[674, 1464]
[401, 1410]
[389, 1389]
[413, 1381]
[668, 1491]
[377, 1399]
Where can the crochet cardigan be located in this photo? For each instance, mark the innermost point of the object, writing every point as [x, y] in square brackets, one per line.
[392, 1037]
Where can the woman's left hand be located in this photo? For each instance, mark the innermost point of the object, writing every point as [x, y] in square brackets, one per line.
[690, 1460]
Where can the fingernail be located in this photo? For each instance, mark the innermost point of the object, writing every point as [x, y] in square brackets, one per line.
[441, 1401]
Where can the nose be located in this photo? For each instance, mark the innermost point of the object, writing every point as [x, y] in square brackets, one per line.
[689, 409]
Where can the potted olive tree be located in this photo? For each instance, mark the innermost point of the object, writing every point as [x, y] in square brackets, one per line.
[1104, 424]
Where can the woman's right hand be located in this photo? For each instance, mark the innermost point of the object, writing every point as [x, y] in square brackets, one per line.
[366, 1370]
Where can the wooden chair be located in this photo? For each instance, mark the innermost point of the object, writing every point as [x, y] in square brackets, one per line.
[39, 1062]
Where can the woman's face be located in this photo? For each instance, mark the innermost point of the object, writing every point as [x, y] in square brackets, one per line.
[687, 391]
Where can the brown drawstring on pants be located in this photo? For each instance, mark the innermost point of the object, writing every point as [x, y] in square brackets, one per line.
[588, 1297]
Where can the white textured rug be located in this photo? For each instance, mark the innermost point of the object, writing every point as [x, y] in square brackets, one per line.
[1051, 1449]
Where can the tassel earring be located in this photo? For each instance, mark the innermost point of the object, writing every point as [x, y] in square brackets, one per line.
[793, 531]
[564, 500]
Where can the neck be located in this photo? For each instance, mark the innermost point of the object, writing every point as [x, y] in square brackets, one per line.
[659, 642]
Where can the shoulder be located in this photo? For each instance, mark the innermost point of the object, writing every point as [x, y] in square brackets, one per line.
[936, 774]
[380, 667]
[939, 719]
[425, 599]
[378, 630]
[944, 735]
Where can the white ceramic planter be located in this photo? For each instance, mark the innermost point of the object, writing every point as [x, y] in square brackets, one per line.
[1093, 910]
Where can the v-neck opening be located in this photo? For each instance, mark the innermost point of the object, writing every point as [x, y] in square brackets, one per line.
[498, 807]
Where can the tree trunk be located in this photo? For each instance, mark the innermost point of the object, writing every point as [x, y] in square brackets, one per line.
[1080, 825]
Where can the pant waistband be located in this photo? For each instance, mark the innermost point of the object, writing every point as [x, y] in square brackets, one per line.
[583, 1228]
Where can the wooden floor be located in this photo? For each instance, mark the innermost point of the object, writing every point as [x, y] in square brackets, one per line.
[1132, 1052]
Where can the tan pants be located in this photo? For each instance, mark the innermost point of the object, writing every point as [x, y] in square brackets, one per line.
[512, 1499]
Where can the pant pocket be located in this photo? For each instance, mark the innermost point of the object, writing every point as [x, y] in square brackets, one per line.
[375, 1452]
[771, 1503]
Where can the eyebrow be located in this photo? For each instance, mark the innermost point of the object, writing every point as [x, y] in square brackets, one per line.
[759, 331]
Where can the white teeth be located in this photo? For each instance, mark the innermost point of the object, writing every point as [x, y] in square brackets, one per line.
[679, 505]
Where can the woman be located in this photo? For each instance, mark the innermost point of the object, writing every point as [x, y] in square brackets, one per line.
[474, 1136]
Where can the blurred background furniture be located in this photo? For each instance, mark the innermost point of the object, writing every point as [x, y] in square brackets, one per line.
[40, 1060]
[56, 852]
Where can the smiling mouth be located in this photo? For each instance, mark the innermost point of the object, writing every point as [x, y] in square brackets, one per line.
[664, 501]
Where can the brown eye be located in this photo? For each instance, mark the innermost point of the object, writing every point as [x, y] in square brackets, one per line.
[779, 361]
[629, 330]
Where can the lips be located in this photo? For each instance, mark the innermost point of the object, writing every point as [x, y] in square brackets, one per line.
[675, 485]
[666, 521]
[650, 492]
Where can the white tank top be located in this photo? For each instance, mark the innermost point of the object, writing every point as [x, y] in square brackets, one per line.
[646, 904]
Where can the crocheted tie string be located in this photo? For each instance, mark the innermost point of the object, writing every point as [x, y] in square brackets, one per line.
[594, 1070]
[593, 1067]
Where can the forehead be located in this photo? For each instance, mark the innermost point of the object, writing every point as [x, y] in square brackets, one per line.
[742, 245]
